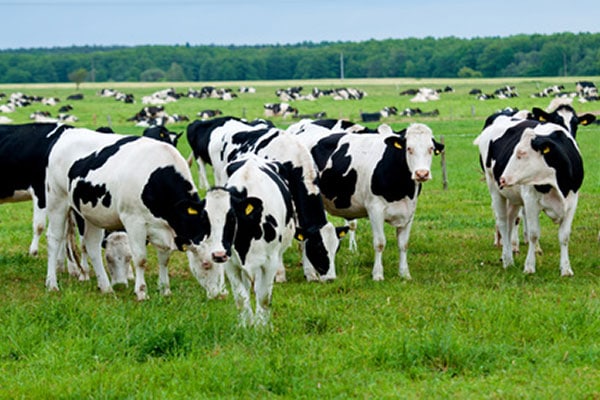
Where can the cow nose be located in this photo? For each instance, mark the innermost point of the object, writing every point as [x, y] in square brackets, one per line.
[219, 256]
[422, 175]
[502, 182]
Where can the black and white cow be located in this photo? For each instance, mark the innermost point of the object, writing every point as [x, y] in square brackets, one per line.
[377, 176]
[251, 221]
[222, 140]
[163, 134]
[505, 138]
[24, 152]
[154, 200]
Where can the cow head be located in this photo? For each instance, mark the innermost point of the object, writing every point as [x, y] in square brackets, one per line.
[564, 116]
[223, 215]
[118, 258]
[163, 134]
[320, 247]
[527, 166]
[420, 146]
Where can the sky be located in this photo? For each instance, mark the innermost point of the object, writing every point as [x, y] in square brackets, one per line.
[64, 23]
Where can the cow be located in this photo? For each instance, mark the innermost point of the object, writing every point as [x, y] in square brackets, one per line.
[499, 142]
[378, 176]
[24, 152]
[251, 224]
[222, 140]
[163, 134]
[118, 257]
[206, 114]
[154, 200]
[279, 110]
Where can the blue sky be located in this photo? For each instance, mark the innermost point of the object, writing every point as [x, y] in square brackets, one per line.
[59, 23]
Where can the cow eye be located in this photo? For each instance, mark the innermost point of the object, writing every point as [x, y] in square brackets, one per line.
[410, 150]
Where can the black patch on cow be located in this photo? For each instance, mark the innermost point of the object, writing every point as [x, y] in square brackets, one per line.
[24, 151]
[82, 167]
[248, 221]
[250, 142]
[162, 134]
[338, 182]
[198, 135]
[502, 148]
[391, 177]
[269, 228]
[169, 196]
[324, 148]
[543, 188]
[560, 153]
[86, 192]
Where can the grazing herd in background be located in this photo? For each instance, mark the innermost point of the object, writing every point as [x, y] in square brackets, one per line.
[271, 186]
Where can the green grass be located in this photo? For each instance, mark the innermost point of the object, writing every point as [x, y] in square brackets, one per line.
[462, 328]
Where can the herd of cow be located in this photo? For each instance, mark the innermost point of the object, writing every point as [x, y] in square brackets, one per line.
[270, 186]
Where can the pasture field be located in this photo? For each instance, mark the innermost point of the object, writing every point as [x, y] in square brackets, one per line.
[463, 327]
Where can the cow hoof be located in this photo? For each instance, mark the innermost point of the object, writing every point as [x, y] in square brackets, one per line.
[141, 296]
[166, 292]
[567, 273]
[377, 277]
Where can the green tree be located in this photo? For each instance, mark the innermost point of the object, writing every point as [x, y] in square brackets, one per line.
[78, 76]
[466, 72]
[175, 73]
[152, 75]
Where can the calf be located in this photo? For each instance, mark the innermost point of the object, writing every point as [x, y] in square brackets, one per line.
[497, 146]
[222, 140]
[155, 200]
[376, 176]
[250, 223]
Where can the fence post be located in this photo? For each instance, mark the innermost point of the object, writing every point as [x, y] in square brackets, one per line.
[443, 161]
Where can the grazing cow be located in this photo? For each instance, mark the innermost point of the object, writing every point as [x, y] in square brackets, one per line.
[77, 96]
[250, 224]
[24, 152]
[222, 140]
[118, 257]
[505, 137]
[279, 110]
[155, 200]
[376, 176]
[206, 114]
[163, 134]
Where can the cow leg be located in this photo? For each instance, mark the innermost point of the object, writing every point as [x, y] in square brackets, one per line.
[56, 238]
[538, 248]
[500, 207]
[163, 271]
[310, 273]
[92, 238]
[202, 177]
[39, 224]
[532, 213]
[240, 286]
[513, 226]
[377, 222]
[564, 233]
[263, 291]
[402, 235]
[352, 224]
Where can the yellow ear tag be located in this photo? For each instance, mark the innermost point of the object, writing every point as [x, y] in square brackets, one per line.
[542, 119]
[342, 234]
[192, 211]
[249, 209]
[300, 237]
[546, 150]
[397, 145]
[184, 247]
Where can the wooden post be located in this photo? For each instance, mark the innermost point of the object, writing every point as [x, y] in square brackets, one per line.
[443, 161]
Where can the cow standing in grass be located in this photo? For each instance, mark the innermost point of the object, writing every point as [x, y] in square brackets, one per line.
[250, 223]
[125, 182]
[536, 166]
[378, 176]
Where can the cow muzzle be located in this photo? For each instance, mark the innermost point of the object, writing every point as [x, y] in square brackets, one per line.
[219, 256]
[422, 175]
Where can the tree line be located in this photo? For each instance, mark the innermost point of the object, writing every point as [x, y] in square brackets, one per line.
[560, 54]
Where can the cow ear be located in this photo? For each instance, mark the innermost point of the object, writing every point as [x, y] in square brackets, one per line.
[437, 147]
[250, 208]
[398, 142]
[539, 114]
[299, 235]
[586, 119]
[341, 231]
[542, 144]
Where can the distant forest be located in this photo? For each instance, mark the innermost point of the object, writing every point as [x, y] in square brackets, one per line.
[561, 54]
